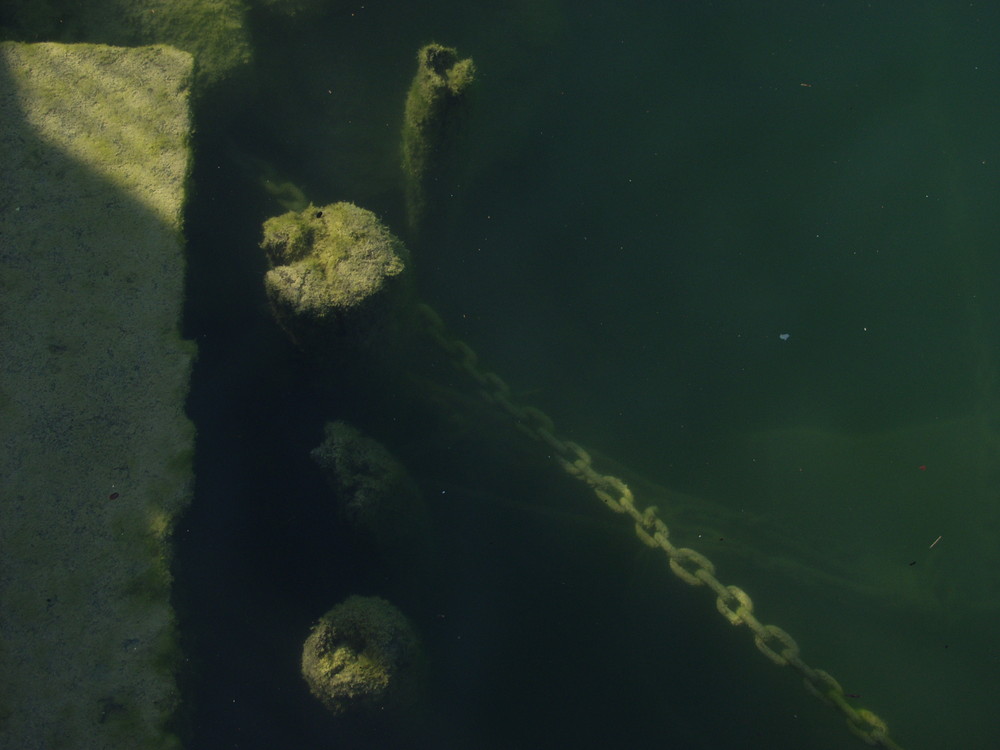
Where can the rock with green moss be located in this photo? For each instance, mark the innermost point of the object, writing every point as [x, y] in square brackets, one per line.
[293, 8]
[337, 274]
[433, 111]
[213, 31]
[362, 657]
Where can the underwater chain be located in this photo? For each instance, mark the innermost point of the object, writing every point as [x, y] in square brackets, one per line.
[690, 566]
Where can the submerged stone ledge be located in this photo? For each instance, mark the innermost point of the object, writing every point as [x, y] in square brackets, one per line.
[95, 449]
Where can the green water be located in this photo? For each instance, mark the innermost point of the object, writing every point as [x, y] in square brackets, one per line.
[648, 197]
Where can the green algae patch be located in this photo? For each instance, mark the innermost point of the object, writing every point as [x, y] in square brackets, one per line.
[337, 271]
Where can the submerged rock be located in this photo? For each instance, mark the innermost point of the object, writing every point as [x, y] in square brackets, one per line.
[363, 656]
[337, 271]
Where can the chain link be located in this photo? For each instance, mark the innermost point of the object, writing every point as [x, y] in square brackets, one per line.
[689, 565]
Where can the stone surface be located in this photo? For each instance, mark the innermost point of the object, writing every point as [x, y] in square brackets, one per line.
[95, 449]
[433, 111]
[378, 496]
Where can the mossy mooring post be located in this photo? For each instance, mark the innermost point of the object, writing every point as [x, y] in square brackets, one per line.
[433, 110]
[337, 276]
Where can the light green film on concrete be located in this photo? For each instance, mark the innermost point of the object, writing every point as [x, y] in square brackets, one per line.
[95, 449]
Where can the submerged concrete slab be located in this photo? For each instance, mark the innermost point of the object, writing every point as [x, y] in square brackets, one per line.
[95, 448]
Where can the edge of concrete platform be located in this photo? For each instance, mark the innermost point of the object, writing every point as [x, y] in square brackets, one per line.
[96, 459]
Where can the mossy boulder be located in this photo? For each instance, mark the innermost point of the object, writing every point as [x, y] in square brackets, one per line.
[362, 657]
[337, 274]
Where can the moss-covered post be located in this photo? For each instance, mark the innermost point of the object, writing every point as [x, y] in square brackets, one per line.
[337, 280]
[433, 110]
[96, 462]
[363, 658]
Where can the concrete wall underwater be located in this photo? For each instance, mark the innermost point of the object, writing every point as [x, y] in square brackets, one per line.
[95, 448]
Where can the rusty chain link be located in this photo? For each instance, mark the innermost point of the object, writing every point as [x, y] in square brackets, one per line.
[689, 565]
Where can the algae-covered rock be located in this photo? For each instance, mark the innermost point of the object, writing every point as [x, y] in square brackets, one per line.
[337, 272]
[363, 656]
[433, 111]
[95, 447]
[293, 8]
